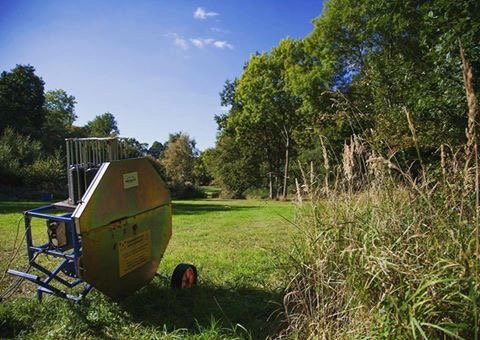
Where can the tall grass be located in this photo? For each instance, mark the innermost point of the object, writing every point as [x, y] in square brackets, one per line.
[386, 254]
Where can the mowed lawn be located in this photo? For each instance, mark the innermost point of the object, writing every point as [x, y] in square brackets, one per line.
[236, 246]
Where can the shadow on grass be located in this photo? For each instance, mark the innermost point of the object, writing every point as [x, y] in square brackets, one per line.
[19, 207]
[160, 306]
[180, 208]
[156, 305]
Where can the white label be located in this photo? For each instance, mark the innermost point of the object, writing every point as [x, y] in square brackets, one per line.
[130, 180]
[134, 252]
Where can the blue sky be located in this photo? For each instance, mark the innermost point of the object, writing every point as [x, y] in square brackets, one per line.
[158, 66]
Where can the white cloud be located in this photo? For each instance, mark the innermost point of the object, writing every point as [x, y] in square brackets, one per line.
[201, 14]
[178, 40]
[197, 42]
[218, 30]
[202, 42]
[222, 44]
[182, 43]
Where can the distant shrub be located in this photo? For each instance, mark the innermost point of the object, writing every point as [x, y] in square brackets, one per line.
[185, 190]
[227, 194]
[257, 193]
[23, 164]
[46, 174]
[17, 153]
[211, 191]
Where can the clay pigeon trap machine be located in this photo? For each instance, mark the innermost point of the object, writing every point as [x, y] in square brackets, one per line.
[112, 231]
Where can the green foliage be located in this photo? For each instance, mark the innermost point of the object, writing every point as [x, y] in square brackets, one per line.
[269, 111]
[21, 101]
[178, 158]
[209, 158]
[22, 162]
[185, 190]
[134, 148]
[59, 117]
[237, 167]
[47, 173]
[364, 63]
[17, 153]
[156, 150]
[200, 171]
[104, 125]
[392, 55]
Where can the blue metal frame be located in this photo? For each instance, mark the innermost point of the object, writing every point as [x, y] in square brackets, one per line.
[69, 263]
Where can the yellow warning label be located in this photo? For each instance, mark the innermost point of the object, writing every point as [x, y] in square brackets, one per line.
[134, 252]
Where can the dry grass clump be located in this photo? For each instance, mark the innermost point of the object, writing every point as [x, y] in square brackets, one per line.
[386, 254]
[383, 263]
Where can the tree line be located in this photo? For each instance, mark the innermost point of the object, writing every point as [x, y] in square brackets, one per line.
[365, 64]
[34, 124]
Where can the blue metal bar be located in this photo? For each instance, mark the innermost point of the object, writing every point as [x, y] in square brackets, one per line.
[84, 292]
[42, 208]
[46, 246]
[55, 272]
[45, 287]
[50, 288]
[76, 283]
[53, 252]
[35, 279]
[30, 277]
[48, 273]
[28, 236]
[77, 251]
[43, 290]
[49, 217]
[87, 289]
[70, 258]
[52, 207]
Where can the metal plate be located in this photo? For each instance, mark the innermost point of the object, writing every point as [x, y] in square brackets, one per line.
[125, 221]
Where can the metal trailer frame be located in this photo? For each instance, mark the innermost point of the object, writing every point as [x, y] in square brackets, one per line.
[69, 259]
[83, 222]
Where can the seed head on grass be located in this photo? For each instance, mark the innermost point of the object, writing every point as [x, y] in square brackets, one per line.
[397, 260]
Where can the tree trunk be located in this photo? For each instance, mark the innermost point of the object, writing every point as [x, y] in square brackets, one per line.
[277, 188]
[287, 146]
[270, 185]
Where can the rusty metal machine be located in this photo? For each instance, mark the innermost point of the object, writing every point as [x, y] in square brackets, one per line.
[112, 231]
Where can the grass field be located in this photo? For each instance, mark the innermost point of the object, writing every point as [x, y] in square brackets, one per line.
[235, 246]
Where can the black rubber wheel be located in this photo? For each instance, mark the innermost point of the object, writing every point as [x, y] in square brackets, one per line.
[184, 276]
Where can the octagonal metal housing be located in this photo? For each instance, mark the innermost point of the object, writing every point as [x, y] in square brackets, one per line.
[125, 224]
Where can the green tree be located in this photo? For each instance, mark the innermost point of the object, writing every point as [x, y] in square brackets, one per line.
[59, 117]
[200, 172]
[391, 55]
[178, 158]
[156, 150]
[172, 137]
[134, 148]
[271, 112]
[237, 171]
[104, 125]
[237, 168]
[22, 101]
[210, 160]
